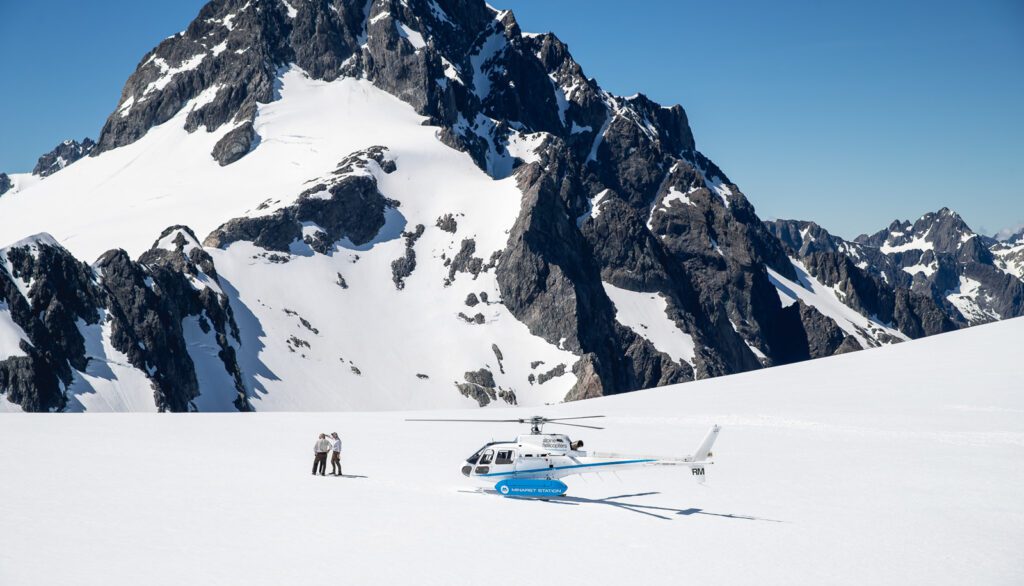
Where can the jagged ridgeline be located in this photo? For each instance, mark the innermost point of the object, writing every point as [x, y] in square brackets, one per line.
[413, 204]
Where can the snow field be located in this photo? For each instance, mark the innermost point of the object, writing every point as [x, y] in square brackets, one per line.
[896, 466]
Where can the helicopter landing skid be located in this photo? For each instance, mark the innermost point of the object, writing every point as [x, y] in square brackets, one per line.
[529, 487]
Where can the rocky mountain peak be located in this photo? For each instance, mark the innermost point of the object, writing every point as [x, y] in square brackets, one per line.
[940, 231]
[61, 156]
[945, 229]
[464, 65]
[804, 238]
[5, 183]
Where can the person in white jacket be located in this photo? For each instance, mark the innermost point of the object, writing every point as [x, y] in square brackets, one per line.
[320, 449]
[335, 455]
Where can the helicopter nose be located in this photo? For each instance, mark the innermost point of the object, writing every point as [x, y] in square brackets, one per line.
[466, 470]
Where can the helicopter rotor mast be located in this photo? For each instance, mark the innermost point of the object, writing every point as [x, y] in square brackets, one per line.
[536, 422]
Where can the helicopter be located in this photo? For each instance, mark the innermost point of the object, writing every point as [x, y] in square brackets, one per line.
[533, 464]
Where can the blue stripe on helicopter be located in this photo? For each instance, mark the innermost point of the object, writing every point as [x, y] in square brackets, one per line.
[567, 467]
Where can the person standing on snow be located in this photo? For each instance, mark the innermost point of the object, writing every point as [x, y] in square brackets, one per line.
[335, 455]
[320, 449]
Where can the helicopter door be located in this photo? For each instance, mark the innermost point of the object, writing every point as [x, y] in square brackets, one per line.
[483, 464]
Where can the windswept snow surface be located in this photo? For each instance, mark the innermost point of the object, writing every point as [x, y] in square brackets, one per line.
[897, 466]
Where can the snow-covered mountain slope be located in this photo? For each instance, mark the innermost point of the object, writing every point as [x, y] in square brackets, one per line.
[898, 465]
[126, 197]
[15, 182]
[64, 154]
[369, 345]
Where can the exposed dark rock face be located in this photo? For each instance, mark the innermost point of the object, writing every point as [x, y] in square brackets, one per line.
[235, 144]
[60, 292]
[499, 356]
[476, 319]
[550, 280]
[554, 372]
[143, 303]
[403, 267]
[824, 338]
[61, 156]
[448, 223]
[5, 183]
[184, 274]
[345, 205]
[465, 262]
[480, 387]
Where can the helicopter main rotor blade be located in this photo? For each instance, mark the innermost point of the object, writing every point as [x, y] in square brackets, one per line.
[577, 425]
[568, 418]
[473, 420]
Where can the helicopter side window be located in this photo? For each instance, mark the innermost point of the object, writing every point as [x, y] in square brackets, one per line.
[505, 457]
[486, 457]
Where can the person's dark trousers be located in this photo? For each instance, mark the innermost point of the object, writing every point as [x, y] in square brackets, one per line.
[336, 463]
[320, 463]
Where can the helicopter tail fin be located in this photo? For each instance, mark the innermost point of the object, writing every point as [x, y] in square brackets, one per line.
[704, 449]
[700, 458]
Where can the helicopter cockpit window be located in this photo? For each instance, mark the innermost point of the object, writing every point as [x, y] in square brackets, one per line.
[504, 457]
[486, 457]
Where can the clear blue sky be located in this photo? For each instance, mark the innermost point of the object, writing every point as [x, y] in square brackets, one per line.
[847, 113]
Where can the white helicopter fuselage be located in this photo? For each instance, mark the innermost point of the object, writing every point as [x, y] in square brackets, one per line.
[552, 456]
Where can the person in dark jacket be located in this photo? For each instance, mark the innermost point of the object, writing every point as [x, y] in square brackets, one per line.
[320, 449]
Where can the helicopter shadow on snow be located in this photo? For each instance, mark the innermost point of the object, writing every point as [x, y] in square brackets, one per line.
[656, 511]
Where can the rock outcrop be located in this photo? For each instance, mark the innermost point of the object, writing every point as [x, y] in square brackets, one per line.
[139, 306]
[63, 155]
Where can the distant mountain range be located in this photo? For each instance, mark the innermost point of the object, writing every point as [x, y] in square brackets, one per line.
[385, 204]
